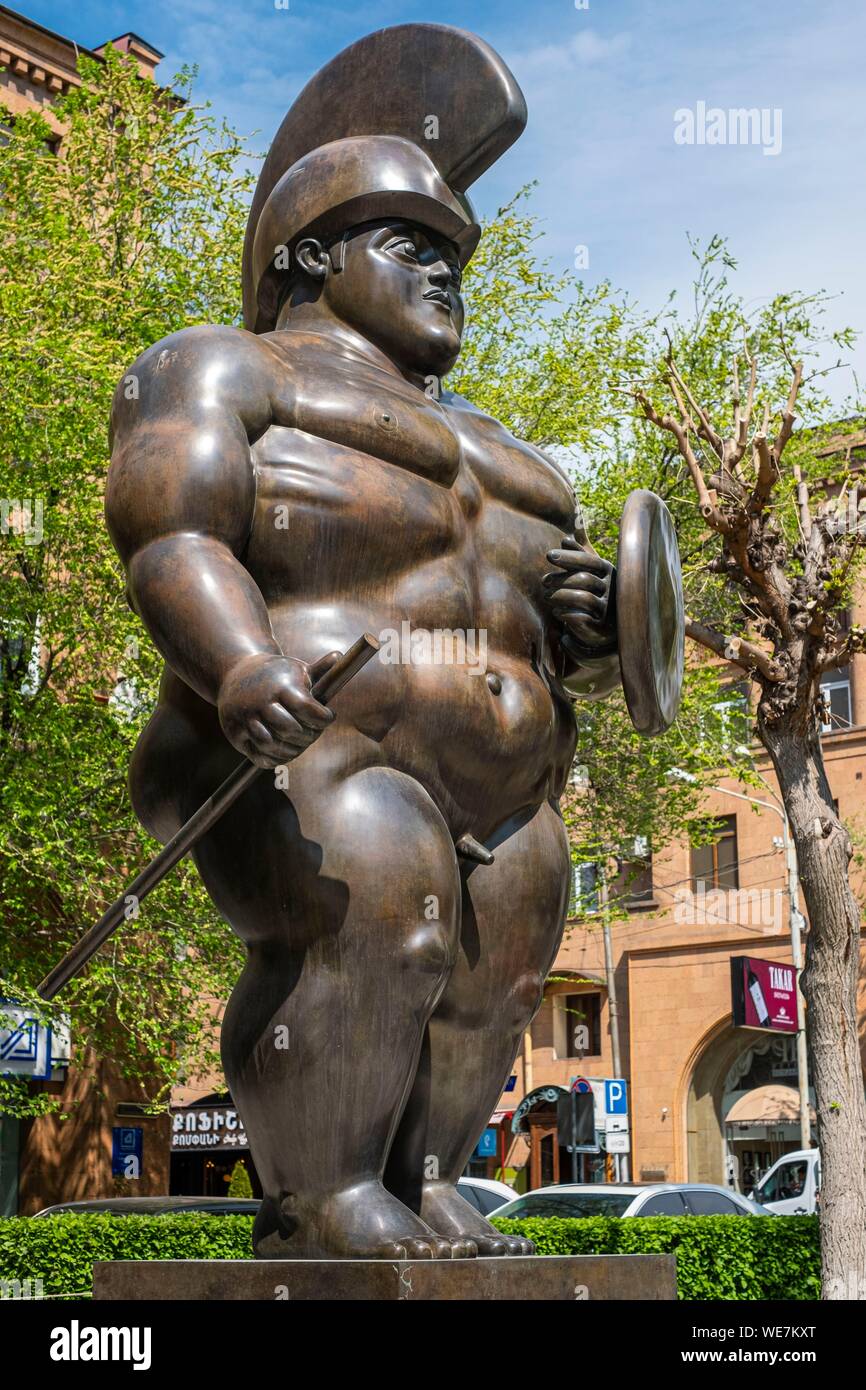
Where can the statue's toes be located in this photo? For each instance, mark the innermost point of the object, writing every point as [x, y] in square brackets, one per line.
[491, 1245]
[464, 1248]
[420, 1248]
[518, 1245]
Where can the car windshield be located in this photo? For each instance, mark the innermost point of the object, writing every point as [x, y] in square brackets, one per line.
[789, 1180]
[599, 1203]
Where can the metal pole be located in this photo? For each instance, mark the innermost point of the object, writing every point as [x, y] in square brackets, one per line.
[611, 995]
[527, 1060]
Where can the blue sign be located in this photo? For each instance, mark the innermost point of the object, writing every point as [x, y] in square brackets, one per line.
[487, 1143]
[25, 1043]
[615, 1098]
[511, 1082]
[127, 1151]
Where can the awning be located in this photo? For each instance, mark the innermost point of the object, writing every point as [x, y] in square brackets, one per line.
[547, 1095]
[767, 1105]
[498, 1116]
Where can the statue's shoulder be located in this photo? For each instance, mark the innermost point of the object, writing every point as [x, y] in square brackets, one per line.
[203, 347]
[185, 369]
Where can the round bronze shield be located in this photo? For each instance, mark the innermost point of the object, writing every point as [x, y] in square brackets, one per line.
[650, 613]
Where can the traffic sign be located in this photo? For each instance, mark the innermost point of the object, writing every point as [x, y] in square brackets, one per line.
[615, 1097]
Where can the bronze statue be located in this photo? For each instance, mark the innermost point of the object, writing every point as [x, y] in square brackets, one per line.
[401, 888]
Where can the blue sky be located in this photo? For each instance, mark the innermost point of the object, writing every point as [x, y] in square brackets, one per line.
[602, 84]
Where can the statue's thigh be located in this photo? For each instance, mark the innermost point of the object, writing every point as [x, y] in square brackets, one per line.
[365, 854]
[513, 913]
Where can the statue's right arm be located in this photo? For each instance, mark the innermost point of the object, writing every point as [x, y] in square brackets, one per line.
[179, 506]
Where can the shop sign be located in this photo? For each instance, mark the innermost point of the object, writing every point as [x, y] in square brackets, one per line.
[207, 1127]
[763, 995]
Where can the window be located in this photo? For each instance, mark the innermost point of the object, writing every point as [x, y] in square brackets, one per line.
[577, 1025]
[735, 713]
[633, 885]
[789, 1180]
[836, 695]
[665, 1204]
[713, 1204]
[487, 1201]
[715, 865]
[570, 1204]
[584, 890]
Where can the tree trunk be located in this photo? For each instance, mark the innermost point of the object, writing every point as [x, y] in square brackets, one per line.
[830, 982]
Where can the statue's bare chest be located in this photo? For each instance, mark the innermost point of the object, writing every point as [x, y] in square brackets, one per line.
[360, 461]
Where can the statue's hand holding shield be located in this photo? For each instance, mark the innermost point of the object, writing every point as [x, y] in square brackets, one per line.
[635, 610]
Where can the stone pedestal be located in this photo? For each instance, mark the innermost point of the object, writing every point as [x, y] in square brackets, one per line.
[562, 1278]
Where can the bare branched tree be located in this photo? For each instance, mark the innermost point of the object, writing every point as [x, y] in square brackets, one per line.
[788, 552]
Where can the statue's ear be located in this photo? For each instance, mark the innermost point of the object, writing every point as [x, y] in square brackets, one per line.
[312, 258]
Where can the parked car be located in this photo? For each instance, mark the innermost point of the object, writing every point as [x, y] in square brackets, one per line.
[158, 1206]
[791, 1185]
[483, 1194]
[619, 1199]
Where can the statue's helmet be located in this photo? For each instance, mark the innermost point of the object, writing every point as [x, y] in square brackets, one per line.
[396, 126]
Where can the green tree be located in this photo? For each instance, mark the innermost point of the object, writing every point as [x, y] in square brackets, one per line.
[771, 530]
[132, 232]
[550, 357]
[239, 1183]
[775, 528]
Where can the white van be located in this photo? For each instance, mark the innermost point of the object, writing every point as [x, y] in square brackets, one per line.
[790, 1187]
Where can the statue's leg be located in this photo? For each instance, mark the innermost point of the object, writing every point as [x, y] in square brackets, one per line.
[329, 885]
[512, 920]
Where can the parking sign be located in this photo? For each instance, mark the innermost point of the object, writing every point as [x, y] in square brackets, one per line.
[615, 1097]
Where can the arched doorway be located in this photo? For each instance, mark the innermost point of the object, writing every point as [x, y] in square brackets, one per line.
[734, 1064]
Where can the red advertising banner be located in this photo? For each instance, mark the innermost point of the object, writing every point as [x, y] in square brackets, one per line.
[763, 995]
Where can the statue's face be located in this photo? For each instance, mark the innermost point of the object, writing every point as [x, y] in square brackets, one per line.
[400, 288]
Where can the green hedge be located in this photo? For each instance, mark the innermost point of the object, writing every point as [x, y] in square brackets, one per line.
[61, 1250]
[718, 1257]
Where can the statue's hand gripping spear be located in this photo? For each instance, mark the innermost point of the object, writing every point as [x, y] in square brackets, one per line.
[189, 834]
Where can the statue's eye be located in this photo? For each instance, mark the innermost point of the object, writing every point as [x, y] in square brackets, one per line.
[408, 248]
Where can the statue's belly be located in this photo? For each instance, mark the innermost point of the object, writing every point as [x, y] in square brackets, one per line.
[460, 697]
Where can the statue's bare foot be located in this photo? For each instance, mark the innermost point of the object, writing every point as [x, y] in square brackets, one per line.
[450, 1215]
[361, 1222]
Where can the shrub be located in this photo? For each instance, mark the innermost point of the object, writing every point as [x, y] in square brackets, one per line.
[61, 1250]
[718, 1257]
[240, 1185]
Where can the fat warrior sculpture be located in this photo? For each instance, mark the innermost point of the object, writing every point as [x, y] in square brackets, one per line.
[401, 888]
